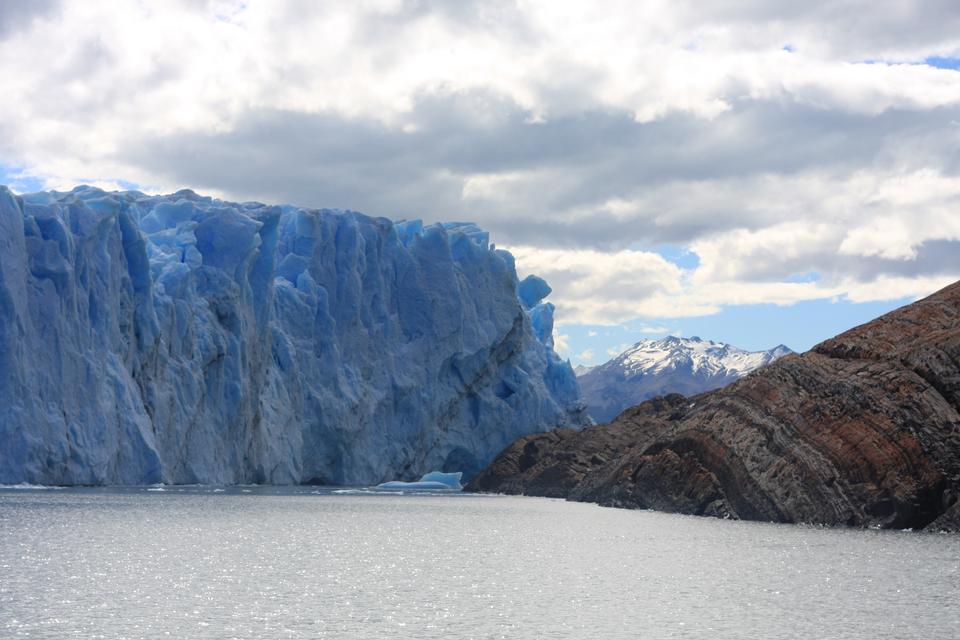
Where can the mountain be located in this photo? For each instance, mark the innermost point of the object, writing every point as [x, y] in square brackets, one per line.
[669, 365]
[582, 369]
[862, 430]
[185, 339]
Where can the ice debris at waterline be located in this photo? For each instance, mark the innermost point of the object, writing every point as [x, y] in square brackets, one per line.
[184, 339]
[433, 481]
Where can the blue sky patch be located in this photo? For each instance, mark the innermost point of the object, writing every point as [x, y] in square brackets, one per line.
[940, 62]
[680, 256]
[809, 276]
[755, 327]
[943, 63]
[13, 177]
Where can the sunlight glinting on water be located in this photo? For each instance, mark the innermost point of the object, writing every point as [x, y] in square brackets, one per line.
[307, 563]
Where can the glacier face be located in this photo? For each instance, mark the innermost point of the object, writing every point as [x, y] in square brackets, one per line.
[184, 339]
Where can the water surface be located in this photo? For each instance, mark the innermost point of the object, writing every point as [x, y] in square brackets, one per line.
[308, 563]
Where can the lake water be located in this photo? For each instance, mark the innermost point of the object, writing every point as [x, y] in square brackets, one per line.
[309, 563]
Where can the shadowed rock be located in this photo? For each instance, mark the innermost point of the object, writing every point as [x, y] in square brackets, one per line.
[862, 430]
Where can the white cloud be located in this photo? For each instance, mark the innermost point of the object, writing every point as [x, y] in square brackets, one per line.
[150, 67]
[741, 252]
[561, 343]
[892, 288]
[909, 210]
[577, 136]
[617, 350]
[646, 328]
[609, 288]
[586, 354]
[595, 287]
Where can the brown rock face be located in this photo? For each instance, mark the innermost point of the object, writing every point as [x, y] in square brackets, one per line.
[862, 430]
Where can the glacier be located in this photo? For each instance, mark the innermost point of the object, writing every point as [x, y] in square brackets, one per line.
[433, 481]
[184, 339]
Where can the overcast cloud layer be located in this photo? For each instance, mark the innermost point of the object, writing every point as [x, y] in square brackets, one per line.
[794, 154]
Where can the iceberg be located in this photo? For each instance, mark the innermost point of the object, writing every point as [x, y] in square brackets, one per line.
[183, 339]
[433, 481]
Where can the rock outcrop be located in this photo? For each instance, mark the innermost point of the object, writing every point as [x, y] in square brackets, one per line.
[184, 339]
[862, 430]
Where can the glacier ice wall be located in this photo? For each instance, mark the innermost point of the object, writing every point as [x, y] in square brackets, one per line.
[184, 339]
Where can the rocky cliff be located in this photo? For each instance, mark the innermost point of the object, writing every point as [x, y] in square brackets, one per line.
[185, 339]
[862, 430]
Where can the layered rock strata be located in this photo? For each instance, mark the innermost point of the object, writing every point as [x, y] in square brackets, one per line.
[862, 430]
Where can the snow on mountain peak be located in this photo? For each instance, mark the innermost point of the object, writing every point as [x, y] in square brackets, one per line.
[672, 364]
[697, 354]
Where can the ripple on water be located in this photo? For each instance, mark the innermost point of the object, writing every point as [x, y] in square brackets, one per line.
[308, 562]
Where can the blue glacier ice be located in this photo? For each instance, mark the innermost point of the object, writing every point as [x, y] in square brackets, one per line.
[184, 339]
[532, 290]
[433, 481]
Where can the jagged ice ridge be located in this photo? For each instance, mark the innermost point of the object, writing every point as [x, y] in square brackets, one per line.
[184, 339]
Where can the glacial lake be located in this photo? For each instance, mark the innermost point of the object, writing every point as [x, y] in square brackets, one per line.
[257, 562]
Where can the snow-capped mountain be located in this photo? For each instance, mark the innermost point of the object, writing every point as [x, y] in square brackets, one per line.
[583, 369]
[668, 365]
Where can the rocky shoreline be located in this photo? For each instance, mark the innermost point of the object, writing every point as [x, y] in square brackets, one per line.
[863, 430]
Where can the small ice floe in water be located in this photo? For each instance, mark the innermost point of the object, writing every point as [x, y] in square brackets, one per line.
[29, 487]
[433, 481]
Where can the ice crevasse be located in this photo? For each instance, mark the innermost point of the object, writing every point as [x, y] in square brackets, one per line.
[185, 339]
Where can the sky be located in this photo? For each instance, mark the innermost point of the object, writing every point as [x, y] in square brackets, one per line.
[755, 172]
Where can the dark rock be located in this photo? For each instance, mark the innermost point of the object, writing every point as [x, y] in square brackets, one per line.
[862, 430]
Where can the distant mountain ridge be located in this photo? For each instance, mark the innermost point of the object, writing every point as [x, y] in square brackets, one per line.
[672, 364]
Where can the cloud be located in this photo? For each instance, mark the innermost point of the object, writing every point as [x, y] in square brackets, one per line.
[581, 139]
[16, 16]
[653, 329]
[596, 287]
[561, 343]
[854, 29]
[617, 350]
[586, 354]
